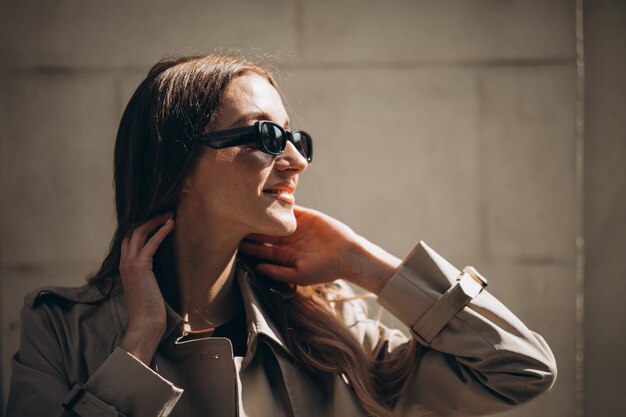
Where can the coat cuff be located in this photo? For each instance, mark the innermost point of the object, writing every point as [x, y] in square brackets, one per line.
[134, 389]
[85, 404]
[425, 294]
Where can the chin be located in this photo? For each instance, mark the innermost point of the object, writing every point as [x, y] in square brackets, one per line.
[281, 223]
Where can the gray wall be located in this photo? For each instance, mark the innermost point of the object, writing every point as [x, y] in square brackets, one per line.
[475, 102]
[605, 208]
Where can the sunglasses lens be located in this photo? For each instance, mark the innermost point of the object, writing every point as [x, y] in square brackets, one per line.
[303, 144]
[273, 138]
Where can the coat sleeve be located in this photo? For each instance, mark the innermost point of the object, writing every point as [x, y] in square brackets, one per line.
[121, 386]
[476, 356]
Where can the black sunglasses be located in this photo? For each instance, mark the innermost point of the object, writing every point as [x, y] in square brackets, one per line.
[269, 137]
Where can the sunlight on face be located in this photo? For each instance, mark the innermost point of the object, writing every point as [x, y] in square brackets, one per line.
[227, 189]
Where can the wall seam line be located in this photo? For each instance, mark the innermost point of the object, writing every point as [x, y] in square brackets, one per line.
[580, 208]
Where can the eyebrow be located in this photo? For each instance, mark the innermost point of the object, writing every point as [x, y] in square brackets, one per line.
[254, 116]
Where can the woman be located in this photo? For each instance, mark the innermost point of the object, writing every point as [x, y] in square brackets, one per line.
[220, 296]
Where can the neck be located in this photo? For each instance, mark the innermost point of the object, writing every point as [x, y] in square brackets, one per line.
[205, 270]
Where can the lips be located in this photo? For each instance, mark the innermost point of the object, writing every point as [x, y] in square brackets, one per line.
[283, 192]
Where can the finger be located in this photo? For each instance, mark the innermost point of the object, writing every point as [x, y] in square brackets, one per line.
[139, 235]
[153, 243]
[273, 240]
[150, 225]
[266, 253]
[278, 272]
[124, 249]
[301, 210]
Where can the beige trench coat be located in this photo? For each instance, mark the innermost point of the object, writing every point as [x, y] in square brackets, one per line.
[478, 358]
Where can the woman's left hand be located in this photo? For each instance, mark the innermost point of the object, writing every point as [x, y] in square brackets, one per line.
[322, 249]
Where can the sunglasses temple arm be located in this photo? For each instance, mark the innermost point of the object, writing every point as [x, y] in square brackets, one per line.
[221, 140]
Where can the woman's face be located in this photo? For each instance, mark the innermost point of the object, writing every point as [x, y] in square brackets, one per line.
[230, 188]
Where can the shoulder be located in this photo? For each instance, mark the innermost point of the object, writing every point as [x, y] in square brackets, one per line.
[84, 294]
[71, 329]
[67, 309]
[67, 314]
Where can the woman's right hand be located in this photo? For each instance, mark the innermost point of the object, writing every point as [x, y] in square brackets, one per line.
[145, 303]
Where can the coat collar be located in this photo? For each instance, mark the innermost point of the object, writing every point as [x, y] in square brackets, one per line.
[258, 320]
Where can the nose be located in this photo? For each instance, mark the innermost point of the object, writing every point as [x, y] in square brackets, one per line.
[291, 159]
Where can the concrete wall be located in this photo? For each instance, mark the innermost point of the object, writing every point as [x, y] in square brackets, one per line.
[449, 121]
[605, 208]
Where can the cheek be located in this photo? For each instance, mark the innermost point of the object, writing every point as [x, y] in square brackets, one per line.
[230, 183]
[256, 159]
[242, 180]
[252, 168]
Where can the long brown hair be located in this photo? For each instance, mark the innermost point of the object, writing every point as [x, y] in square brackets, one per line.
[154, 149]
